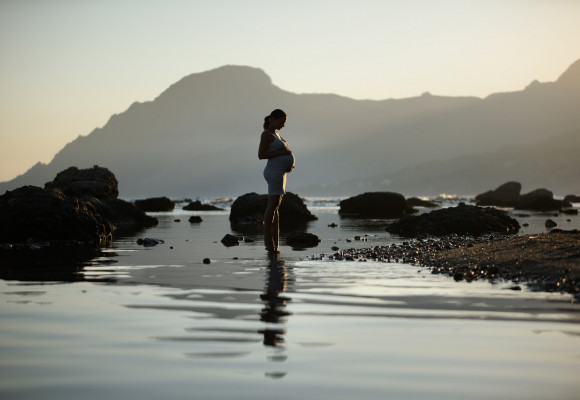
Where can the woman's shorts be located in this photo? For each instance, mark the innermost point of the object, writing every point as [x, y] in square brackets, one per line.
[276, 182]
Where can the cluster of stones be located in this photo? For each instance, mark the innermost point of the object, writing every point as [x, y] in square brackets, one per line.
[78, 206]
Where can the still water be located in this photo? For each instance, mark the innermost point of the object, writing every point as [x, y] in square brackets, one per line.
[158, 323]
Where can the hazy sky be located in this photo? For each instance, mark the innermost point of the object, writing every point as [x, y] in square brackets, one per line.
[68, 65]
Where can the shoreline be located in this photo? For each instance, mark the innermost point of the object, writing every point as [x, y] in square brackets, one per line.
[547, 262]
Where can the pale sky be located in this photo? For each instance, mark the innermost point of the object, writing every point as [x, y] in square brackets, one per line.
[68, 65]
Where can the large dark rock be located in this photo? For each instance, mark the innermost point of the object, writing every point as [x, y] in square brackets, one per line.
[538, 200]
[461, 220]
[374, 205]
[504, 196]
[508, 195]
[249, 209]
[97, 182]
[32, 214]
[155, 204]
[571, 198]
[68, 209]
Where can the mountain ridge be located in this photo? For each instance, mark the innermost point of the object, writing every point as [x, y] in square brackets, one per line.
[200, 135]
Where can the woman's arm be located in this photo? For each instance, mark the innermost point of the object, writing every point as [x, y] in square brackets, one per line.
[263, 152]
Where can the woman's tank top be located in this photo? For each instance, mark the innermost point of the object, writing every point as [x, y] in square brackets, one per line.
[279, 163]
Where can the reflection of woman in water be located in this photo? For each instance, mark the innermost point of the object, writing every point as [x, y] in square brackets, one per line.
[275, 302]
[280, 162]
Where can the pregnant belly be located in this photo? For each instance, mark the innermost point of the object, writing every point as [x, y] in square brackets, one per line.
[282, 163]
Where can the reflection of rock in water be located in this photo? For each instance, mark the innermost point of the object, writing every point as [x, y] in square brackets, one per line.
[46, 263]
[274, 310]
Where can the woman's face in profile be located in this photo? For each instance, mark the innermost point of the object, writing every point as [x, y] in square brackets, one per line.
[278, 123]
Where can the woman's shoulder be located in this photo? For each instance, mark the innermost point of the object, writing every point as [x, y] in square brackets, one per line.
[268, 135]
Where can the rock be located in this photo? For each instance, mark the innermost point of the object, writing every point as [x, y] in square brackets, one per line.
[155, 204]
[68, 209]
[550, 223]
[333, 225]
[302, 240]
[504, 196]
[570, 211]
[124, 216]
[538, 200]
[194, 219]
[32, 213]
[97, 182]
[571, 198]
[417, 202]
[199, 206]
[230, 240]
[461, 220]
[249, 209]
[374, 205]
[335, 248]
[149, 242]
[206, 261]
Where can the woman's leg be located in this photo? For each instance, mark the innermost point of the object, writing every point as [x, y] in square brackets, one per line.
[276, 228]
[271, 222]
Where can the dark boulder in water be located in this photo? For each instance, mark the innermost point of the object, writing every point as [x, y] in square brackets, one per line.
[155, 204]
[374, 205]
[538, 200]
[417, 202]
[230, 240]
[461, 220]
[571, 198]
[249, 209]
[302, 240]
[34, 214]
[504, 196]
[67, 209]
[508, 195]
[97, 182]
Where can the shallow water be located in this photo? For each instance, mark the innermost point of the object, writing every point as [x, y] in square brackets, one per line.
[157, 322]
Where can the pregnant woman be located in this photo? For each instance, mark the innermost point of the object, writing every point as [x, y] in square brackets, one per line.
[280, 161]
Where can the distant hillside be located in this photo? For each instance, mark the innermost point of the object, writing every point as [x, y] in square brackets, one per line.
[552, 164]
[200, 136]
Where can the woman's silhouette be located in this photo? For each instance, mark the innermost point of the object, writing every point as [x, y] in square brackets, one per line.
[280, 162]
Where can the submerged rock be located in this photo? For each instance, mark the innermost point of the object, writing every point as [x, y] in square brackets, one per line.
[149, 242]
[461, 220]
[374, 205]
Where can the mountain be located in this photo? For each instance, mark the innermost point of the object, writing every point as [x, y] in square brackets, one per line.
[552, 164]
[200, 136]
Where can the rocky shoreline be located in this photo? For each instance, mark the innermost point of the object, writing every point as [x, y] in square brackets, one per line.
[545, 262]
